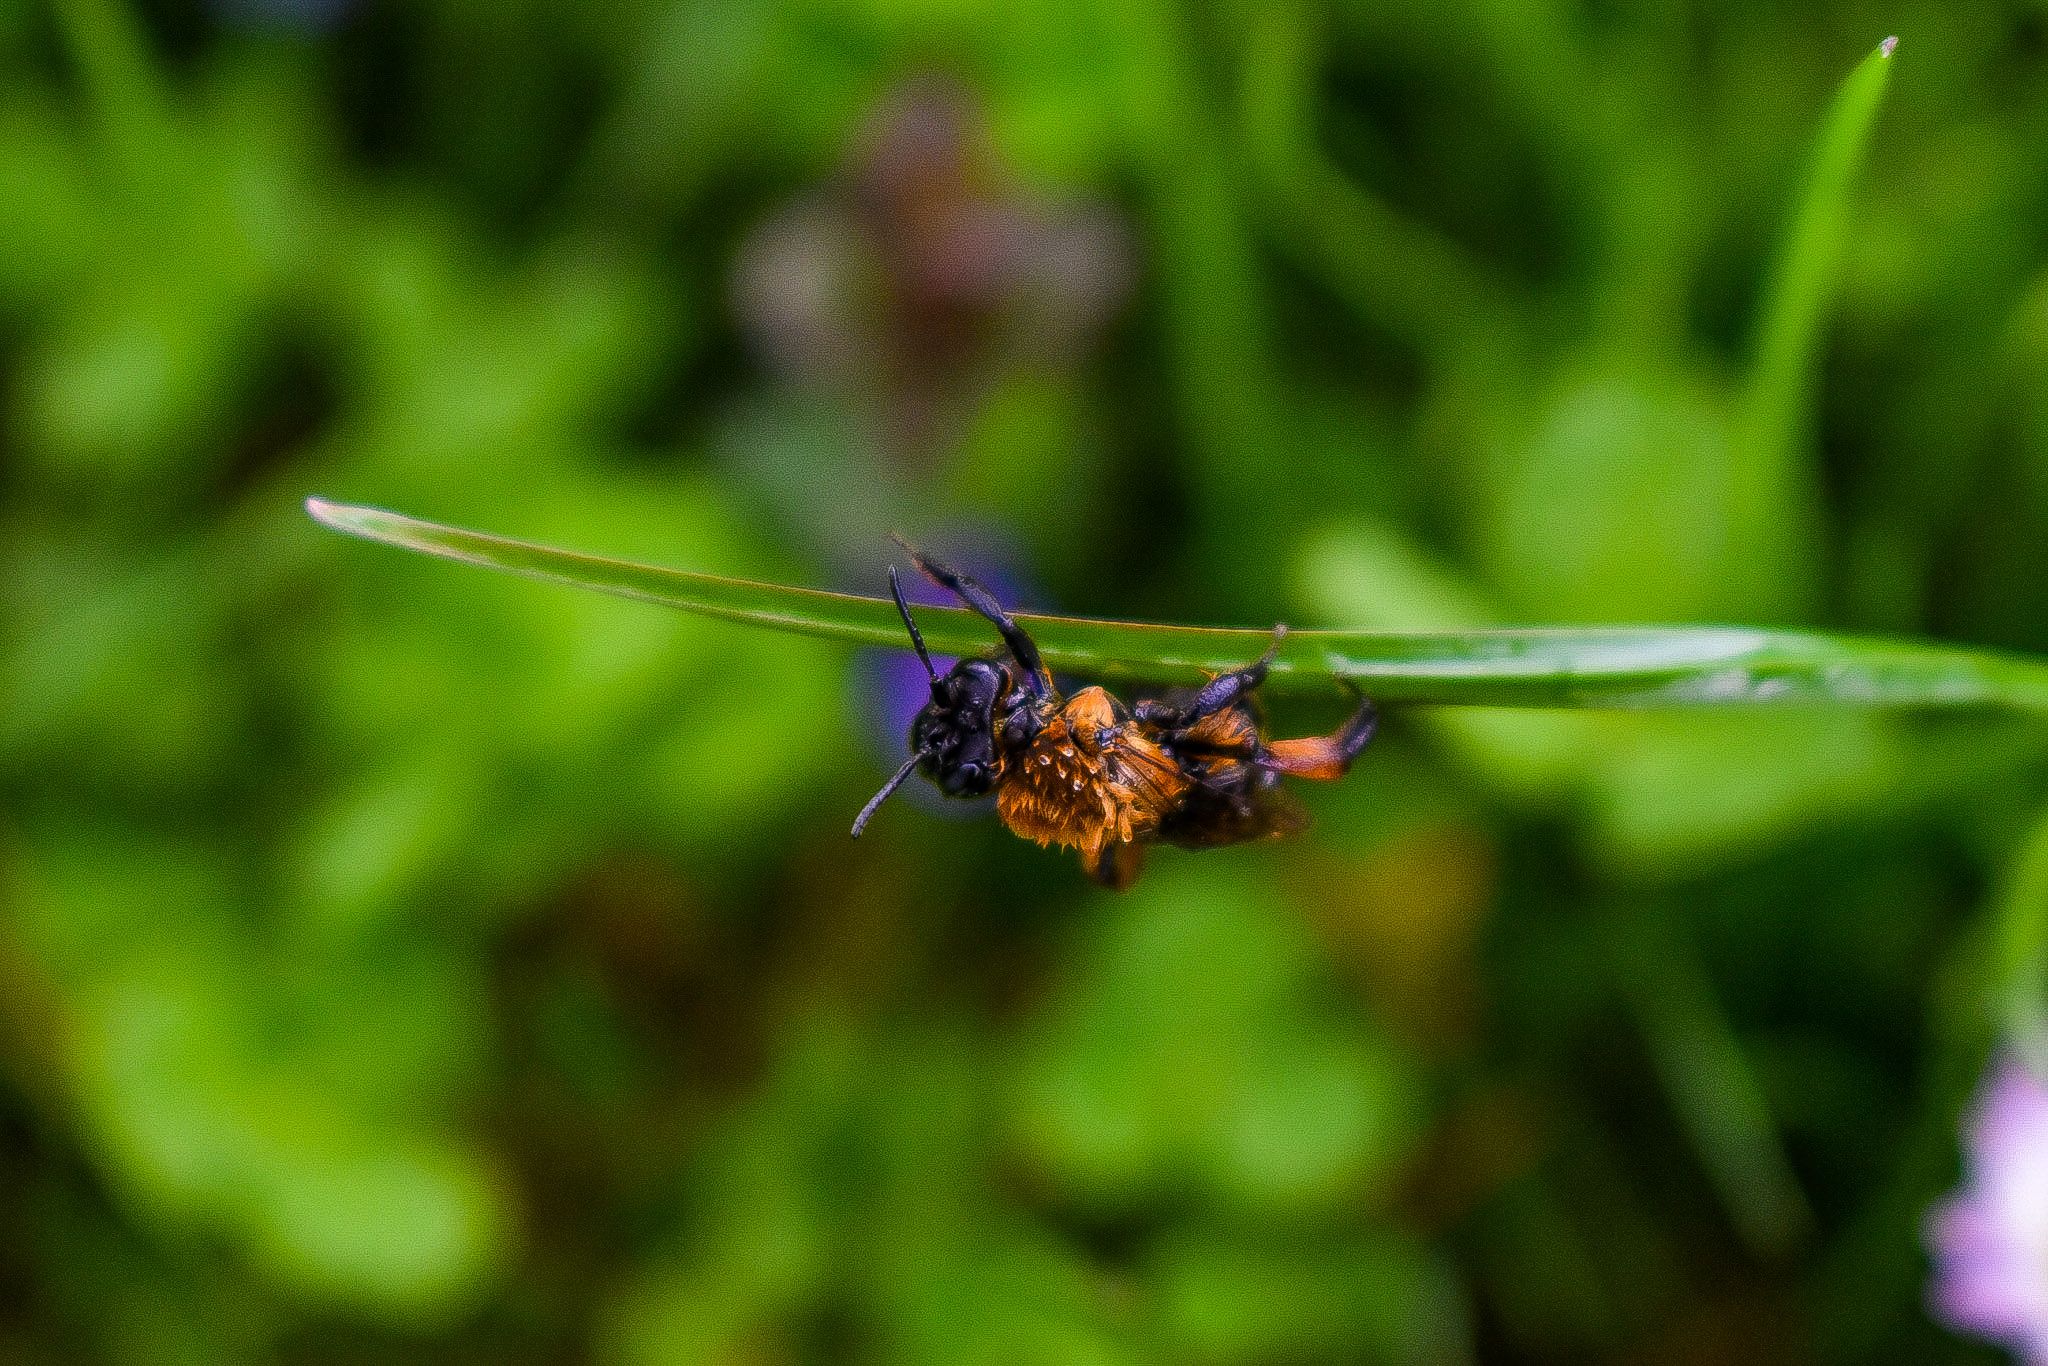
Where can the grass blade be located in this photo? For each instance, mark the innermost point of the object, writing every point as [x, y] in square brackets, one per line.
[120, 90]
[2019, 964]
[1575, 667]
[1805, 272]
[1776, 490]
[1390, 270]
[1713, 1088]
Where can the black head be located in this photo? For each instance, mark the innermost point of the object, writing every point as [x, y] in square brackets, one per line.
[953, 740]
[955, 734]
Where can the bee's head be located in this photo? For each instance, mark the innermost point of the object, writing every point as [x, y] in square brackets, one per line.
[953, 740]
[955, 734]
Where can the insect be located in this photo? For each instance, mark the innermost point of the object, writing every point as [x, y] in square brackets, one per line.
[1192, 768]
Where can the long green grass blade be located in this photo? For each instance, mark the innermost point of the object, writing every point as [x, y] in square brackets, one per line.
[1775, 487]
[1577, 667]
[1804, 275]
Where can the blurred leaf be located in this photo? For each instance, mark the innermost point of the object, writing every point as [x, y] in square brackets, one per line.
[201, 1122]
[365, 852]
[121, 90]
[1666, 796]
[1233, 1297]
[2019, 983]
[1612, 500]
[1195, 1049]
[411, 1228]
[1592, 667]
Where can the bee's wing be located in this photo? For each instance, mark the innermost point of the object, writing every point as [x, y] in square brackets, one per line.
[1271, 814]
[1175, 699]
[1154, 779]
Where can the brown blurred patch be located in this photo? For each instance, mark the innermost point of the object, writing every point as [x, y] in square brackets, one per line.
[1490, 1139]
[1403, 920]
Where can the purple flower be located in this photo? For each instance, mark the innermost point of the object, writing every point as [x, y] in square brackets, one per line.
[1990, 1238]
[924, 271]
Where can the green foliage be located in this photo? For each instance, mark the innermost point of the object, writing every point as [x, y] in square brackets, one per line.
[407, 964]
[1286, 1108]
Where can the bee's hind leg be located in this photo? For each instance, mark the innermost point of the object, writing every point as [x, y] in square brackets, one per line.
[1325, 757]
[1224, 690]
[1116, 864]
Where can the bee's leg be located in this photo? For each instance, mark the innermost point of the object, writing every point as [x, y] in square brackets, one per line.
[1022, 648]
[1222, 691]
[1115, 865]
[1325, 757]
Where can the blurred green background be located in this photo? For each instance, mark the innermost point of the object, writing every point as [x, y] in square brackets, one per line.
[404, 963]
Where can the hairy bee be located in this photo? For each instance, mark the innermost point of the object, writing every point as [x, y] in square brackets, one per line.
[1193, 768]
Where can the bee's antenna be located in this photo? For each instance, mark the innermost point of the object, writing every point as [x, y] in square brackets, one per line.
[860, 822]
[1022, 649]
[896, 591]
